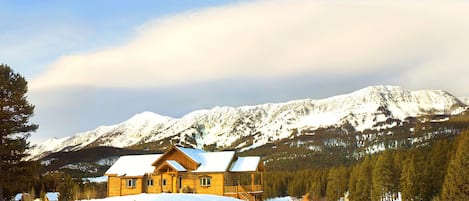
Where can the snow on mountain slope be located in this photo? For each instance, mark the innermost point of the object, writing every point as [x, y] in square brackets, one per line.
[120, 135]
[225, 126]
[465, 100]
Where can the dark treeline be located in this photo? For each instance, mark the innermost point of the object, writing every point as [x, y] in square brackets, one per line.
[68, 187]
[439, 171]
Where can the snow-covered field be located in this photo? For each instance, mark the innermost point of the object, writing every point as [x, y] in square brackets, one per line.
[167, 197]
[288, 198]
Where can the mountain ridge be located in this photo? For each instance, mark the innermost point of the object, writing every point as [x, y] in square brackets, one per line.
[248, 127]
[465, 100]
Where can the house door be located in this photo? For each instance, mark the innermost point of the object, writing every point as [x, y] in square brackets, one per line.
[179, 182]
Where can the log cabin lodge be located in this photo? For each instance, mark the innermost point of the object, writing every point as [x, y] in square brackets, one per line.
[187, 170]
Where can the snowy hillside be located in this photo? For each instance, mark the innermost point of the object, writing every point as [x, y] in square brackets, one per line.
[368, 108]
[126, 133]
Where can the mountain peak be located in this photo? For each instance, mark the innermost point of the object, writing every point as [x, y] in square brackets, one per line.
[231, 126]
[382, 88]
[148, 116]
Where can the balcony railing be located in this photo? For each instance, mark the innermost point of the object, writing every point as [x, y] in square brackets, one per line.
[243, 188]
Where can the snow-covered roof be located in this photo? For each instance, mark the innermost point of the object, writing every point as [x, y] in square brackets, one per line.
[214, 161]
[133, 165]
[192, 153]
[138, 165]
[96, 179]
[209, 161]
[174, 164]
[246, 164]
[52, 196]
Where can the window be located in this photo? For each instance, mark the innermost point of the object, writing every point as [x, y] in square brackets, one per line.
[164, 182]
[150, 182]
[205, 181]
[131, 183]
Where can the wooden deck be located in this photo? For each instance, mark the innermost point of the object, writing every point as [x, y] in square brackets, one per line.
[245, 192]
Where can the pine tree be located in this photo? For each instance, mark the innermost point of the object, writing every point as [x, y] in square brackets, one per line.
[383, 177]
[436, 170]
[318, 184]
[296, 187]
[412, 176]
[15, 112]
[363, 189]
[353, 180]
[89, 191]
[456, 184]
[399, 158]
[68, 189]
[332, 190]
[315, 189]
[336, 183]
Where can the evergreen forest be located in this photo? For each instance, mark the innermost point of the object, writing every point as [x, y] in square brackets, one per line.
[438, 171]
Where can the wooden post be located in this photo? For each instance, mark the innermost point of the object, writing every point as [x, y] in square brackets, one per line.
[143, 184]
[172, 183]
[108, 182]
[161, 182]
[262, 179]
[120, 186]
[239, 181]
[223, 183]
[252, 181]
[176, 185]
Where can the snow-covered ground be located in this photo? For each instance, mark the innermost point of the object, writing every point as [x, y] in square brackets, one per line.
[167, 197]
[288, 198]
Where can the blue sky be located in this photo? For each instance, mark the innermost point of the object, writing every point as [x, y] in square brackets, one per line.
[92, 63]
[45, 30]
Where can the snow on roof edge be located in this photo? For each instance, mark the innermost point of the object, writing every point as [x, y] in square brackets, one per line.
[174, 164]
[246, 164]
[141, 164]
[215, 161]
[191, 153]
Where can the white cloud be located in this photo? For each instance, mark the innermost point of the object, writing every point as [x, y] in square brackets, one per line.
[282, 38]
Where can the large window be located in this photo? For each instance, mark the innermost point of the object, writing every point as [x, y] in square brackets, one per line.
[131, 183]
[205, 181]
[150, 182]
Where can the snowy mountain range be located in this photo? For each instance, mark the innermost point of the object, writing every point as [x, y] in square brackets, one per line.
[230, 127]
